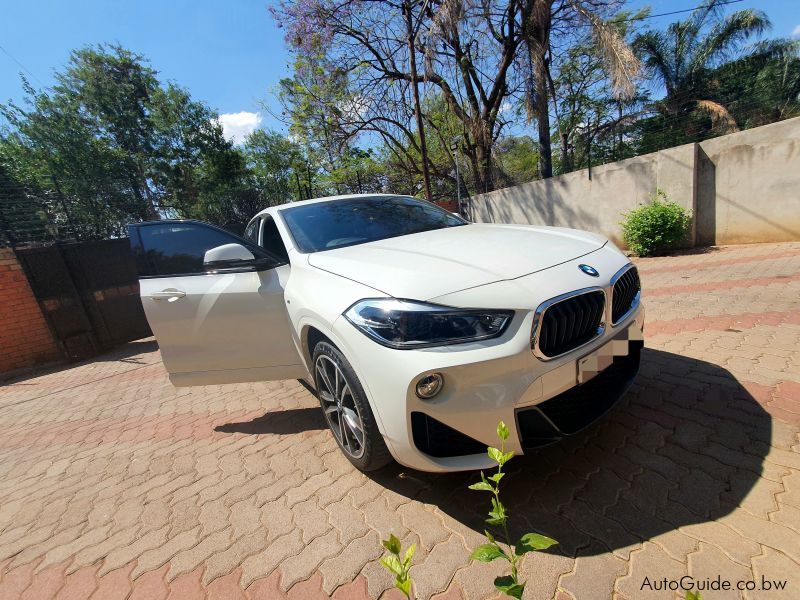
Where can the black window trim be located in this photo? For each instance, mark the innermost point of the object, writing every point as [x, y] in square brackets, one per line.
[258, 229]
[261, 264]
[267, 216]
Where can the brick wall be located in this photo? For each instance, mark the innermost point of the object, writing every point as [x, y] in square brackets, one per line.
[451, 205]
[25, 339]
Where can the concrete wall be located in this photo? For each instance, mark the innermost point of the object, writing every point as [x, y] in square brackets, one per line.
[743, 187]
[25, 339]
[749, 185]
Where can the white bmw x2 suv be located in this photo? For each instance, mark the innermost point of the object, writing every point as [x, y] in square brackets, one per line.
[418, 330]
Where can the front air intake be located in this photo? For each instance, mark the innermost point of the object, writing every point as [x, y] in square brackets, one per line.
[437, 439]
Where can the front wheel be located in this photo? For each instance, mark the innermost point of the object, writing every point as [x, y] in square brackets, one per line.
[347, 410]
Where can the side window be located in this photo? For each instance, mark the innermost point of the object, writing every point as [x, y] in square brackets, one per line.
[251, 231]
[179, 248]
[271, 240]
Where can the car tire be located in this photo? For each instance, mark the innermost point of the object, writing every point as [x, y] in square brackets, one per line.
[345, 406]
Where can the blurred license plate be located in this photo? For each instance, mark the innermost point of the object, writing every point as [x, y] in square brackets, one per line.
[602, 358]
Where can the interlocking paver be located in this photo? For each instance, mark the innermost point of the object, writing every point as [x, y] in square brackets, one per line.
[343, 568]
[593, 572]
[710, 559]
[773, 567]
[347, 520]
[263, 563]
[113, 481]
[304, 564]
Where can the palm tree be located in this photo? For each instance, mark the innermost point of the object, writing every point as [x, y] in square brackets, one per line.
[681, 57]
[539, 18]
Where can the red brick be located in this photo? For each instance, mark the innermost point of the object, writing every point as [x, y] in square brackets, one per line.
[79, 585]
[16, 581]
[187, 586]
[45, 583]
[151, 586]
[452, 593]
[226, 588]
[310, 589]
[267, 588]
[355, 590]
[115, 585]
[24, 336]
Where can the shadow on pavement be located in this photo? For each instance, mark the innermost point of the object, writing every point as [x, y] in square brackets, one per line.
[280, 422]
[685, 446]
[128, 352]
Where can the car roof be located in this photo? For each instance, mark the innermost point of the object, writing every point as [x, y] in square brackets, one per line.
[274, 209]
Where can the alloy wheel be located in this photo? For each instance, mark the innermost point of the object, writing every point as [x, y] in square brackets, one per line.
[340, 407]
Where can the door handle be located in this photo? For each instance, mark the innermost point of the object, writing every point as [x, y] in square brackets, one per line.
[168, 295]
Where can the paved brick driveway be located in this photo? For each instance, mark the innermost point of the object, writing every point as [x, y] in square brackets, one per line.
[114, 484]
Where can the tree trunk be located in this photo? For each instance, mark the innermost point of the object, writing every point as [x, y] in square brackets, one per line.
[482, 168]
[537, 37]
[566, 167]
[412, 54]
[480, 155]
[543, 124]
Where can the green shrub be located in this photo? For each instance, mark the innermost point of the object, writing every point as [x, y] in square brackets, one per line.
[656, 226]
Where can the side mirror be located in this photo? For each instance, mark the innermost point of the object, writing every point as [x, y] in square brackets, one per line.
[228, 256]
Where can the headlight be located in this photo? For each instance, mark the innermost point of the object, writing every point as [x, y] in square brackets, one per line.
[405, 324]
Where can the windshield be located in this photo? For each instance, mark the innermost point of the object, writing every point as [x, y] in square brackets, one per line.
[338, 223]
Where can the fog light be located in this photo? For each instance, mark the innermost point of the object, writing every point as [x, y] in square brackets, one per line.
[429, 386]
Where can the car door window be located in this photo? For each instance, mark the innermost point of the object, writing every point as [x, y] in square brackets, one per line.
[271, 240]
[178, 248]
[251, 231]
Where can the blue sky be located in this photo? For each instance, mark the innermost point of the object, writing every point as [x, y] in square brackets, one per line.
[229, 54]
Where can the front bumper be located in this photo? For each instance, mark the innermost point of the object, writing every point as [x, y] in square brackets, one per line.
[484, 383]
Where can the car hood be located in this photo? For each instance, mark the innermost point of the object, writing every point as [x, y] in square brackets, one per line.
[424, 265]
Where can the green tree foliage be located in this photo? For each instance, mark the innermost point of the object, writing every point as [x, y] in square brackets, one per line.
[714, 81]
[542, 22]
[762, 87]
[466, 53]
[358, 171]
[683, 59]
[274, 168]
[518, 159]
[109, 144]
[590, 116]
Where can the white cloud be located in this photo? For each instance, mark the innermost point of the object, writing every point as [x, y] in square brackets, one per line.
[355, 108]
[796, 31]
[237, 126]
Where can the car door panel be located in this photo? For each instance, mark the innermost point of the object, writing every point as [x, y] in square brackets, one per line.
[221, 327]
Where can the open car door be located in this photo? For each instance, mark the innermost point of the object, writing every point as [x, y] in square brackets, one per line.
[215, 304]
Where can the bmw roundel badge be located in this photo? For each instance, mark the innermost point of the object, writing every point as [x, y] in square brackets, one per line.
[589, 270]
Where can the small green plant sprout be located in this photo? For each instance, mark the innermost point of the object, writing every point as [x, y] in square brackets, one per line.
[498, 517]
[399, 568]
[693, 595]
